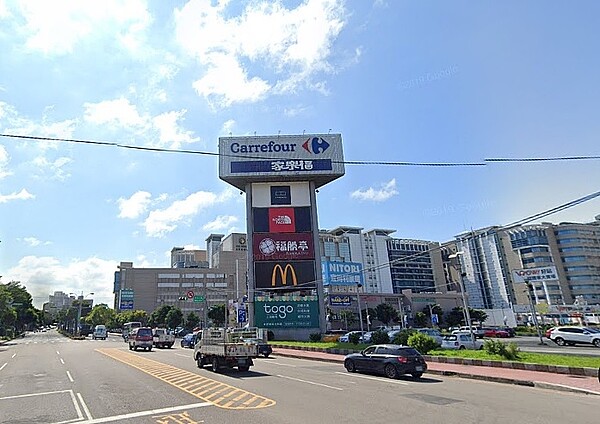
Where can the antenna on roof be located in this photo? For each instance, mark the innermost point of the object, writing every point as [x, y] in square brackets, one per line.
[329, 132]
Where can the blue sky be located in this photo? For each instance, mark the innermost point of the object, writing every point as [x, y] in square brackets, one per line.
[421, 81]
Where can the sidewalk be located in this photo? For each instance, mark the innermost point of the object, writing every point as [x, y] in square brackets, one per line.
[571, 383]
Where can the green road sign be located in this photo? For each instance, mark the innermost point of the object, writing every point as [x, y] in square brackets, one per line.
[199, 298]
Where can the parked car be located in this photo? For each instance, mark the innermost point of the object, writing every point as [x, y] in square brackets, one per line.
[575, 335]
[477, 331]
[140, 337]
[461, 341]
[388, 359]
[549, 331]
[366, 337]
[495, 332]
[345, 338]
[189, 340]
[434, 334]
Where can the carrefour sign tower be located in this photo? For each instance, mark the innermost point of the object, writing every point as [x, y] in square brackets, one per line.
[280, 176]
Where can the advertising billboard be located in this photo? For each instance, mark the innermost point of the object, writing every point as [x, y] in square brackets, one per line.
[285, 275]
[342, 273]
[126, 299]
[282, 246]
[281, 220]
[545, 273]
[287, 314]
[315, 157]
[340, 300]
[266, 195]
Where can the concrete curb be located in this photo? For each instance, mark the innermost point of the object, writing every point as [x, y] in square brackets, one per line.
[554, 369]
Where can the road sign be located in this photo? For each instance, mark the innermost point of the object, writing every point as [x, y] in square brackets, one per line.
[241, 315]
[434, 318]
[190, 294]
[126, 304]
[199, 298]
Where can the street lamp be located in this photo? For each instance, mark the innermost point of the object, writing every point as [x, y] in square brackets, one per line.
[79, 312]
[530, 289]
[358, 286]
[462, 292]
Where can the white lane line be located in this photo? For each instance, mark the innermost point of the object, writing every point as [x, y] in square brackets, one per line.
[2, 367]
[310, 382]
[14, 354]
[77, 408]
[146, 413]
[385, 380]
[85, 408]
[70, 378]
[283, 365]
[57, 352]
[61, 361]
[185, 356]
[34, 394]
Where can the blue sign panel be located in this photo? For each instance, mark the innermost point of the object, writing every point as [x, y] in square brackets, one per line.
[340, 300]
[126, 304]
[342, 273]
[294, 165]
[126, 299]
[241, 315]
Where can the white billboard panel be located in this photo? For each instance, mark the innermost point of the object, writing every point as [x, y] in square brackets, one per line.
[266, 195]
[314, 157]
[545, 273]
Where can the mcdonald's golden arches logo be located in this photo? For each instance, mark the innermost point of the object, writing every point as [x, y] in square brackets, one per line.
[283, 272]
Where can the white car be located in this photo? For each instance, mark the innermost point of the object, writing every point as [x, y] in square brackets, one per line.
[345, 338]
[477, 331]
[575, 335]
[461, 341]
[434, 334]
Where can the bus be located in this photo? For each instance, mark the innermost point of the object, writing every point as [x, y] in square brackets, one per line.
[128, 326]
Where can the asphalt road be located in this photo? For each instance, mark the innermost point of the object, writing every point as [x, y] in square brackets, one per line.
[532, 344]
[47, 378]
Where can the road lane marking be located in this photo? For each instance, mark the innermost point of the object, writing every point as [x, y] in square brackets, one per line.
[2, 367]
[35, 394]
[283, 365]
[70, 378]
[14, 354]
[77, 408]
[310, 382]
[145, 413]
[385, 380]
[84, 406]
[62, 361]
[207, 389]
[57, 352]
[185, 356]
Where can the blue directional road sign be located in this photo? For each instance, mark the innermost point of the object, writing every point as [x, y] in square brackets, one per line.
[241, 315]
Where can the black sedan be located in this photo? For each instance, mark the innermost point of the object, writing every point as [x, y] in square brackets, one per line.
[388, 359]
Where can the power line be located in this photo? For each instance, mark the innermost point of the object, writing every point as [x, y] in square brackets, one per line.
[549, 159]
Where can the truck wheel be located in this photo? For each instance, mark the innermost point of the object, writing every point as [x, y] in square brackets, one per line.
[200, 361]
[215, 364]
[243, 368]
[170, 345]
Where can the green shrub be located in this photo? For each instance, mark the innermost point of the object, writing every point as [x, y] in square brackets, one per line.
[422, 342]
[380, 337]
[402, 337]
[315, 337]
[508, 351]
[354, 338]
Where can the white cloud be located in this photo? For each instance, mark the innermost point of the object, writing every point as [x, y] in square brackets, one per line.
[162, 221]
[22, 195]
[221, 222]
[53, 169]
[291, 45]
[34, 242]
[57, 27]
[135, 206]
[4, 159]
[382, 194]
[170, 133]
[227, 127]
[14, 123]
[119, 111]
[43, 276]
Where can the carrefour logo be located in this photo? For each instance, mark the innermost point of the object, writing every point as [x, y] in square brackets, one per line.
[315, 145]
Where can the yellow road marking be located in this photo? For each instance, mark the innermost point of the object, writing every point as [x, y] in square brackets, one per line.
[203, 388]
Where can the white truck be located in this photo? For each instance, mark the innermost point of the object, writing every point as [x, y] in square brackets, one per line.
[161, 338]
[227, 347]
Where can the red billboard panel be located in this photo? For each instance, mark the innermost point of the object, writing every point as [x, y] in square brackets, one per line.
[282, 220]
[296, 275]
[282, 246]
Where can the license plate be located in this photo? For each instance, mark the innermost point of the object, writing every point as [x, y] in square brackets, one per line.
[419, 368]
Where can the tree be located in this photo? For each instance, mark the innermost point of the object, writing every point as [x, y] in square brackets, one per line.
[348, 317]
[436, 309]
[385, 313]
[22, 304]
[158, 318]
[174, 318]
[132, 316]
[191, 321]
[217, 314]
[420, 319]
[8, 315]
[455, 317]
[101, 314]
[478, 315]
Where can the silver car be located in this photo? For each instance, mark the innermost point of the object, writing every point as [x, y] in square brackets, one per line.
[461, 341]
[575, 335]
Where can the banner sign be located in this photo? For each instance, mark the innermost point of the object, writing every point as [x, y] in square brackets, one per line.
[126, 299]
[278, 246]
[545, 273]
[279, 314]
[340, 300]
[293, 275]
[282, 220]
[342, 273]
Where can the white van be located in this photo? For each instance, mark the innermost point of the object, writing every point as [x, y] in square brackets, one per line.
[99, 332]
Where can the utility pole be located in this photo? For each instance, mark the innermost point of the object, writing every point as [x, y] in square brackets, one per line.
[358, 286]
[530, 289]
